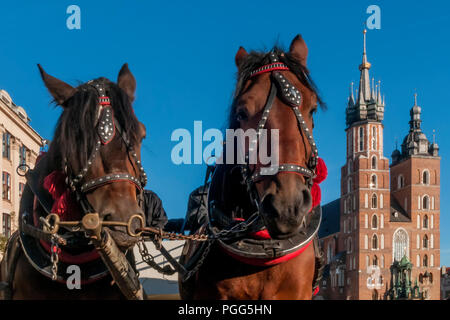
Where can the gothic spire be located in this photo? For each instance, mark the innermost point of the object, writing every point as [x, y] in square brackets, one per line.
[364, 93]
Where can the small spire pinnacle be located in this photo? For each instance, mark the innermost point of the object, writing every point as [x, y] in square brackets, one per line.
[364, 32]
[373, 88]
[352, 90]
[434, 136]
[379, 92]
[415, 97]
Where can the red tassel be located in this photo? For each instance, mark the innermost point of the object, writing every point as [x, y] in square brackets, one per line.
[64, 206]
[321, 171]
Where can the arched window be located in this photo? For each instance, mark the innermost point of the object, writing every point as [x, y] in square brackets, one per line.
[426, 177]
[425, 242]
[381, 221]
[418, 261]
[367, 261]
[425, 261]
[366, 200]
[425, 202]
[375, 260]
[373, 181]
[401, 243]
[366, 242]
[425, 222]
[361, 139]
[382, 241]
[381, 201]
[382, 261]
[374, 242]
[349, 245]
[374, 221]
[349, 185]
[374, 162]
[329, 252]
[400, 182]
[418, 242]
[374, 138]
[432, 260]
[374, 201]
[432, 241]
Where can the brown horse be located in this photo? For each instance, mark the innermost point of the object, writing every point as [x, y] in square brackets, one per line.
[273, 91]
[84, 151]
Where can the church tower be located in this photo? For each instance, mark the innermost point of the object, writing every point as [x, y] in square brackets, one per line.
[365, 198]
[415, 187]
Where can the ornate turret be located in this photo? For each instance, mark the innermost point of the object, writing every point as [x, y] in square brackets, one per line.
[416, 142]
[368, 104]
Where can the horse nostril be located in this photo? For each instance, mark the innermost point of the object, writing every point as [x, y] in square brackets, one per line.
[307, 198]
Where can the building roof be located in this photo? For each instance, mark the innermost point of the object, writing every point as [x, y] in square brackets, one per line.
[398, 214]
[331, 213]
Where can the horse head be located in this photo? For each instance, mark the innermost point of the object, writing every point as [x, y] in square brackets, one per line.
[97, 146]
[274, 91]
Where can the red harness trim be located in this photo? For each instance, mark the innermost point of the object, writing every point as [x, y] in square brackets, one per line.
[270, 68]
[266, 262]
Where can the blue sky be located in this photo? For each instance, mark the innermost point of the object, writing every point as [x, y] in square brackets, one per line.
[182, 55]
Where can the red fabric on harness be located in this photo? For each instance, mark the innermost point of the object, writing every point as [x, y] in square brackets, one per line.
[66, 207]
[321, 175]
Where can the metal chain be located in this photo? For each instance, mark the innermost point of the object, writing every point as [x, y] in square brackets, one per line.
[164, 235]
[238, 228]
[194, 270]
[150, 260]
[54, 258]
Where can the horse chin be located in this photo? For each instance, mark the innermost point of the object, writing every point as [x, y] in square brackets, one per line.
[277, 234]
[122, 239]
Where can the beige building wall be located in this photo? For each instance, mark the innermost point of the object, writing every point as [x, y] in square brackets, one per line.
[15, 122]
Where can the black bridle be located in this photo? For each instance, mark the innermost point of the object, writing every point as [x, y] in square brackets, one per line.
[290, 95]
[106, 127]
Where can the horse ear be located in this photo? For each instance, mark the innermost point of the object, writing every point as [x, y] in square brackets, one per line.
[299, 50]
[241, 55]
[126, 81]
[60, 90]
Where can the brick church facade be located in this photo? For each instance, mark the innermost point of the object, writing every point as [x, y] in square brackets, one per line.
[381, 238]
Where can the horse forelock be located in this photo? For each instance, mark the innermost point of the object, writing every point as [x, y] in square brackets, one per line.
[257, 59]
[75, 133]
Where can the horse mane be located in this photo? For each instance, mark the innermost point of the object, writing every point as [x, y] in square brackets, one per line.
[257, 59]
[75, 134]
